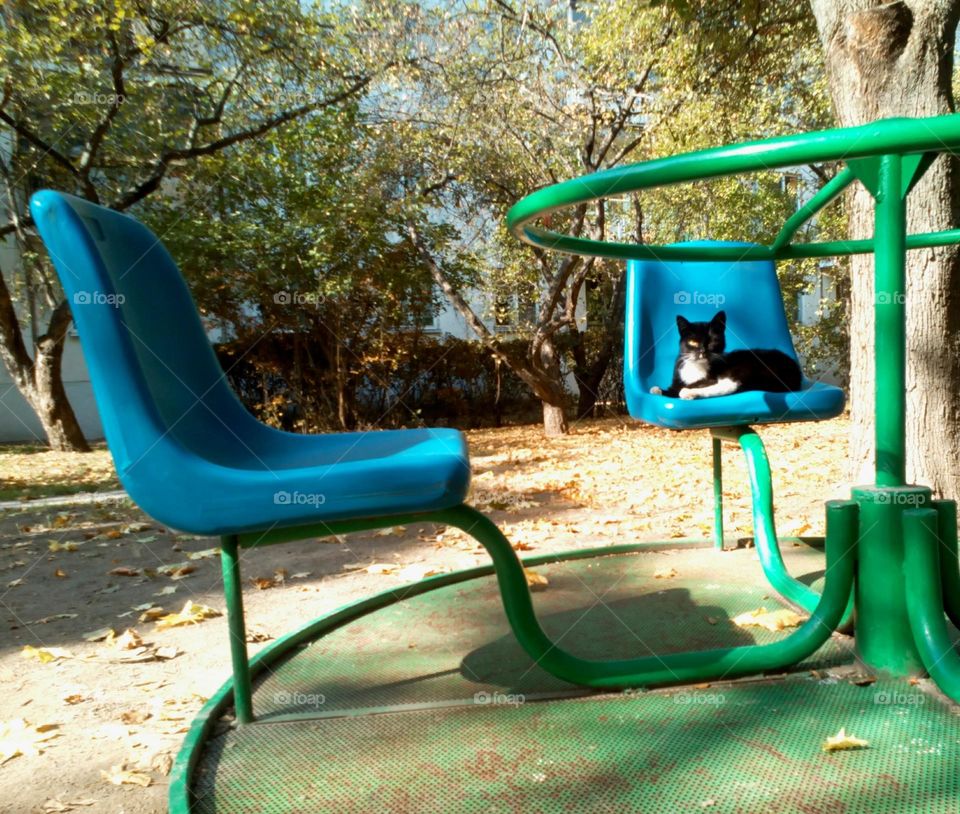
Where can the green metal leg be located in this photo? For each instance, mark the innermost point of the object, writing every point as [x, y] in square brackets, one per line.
[233, 590]
[925, 600]
[709, 665]
[718, 494]
[949, 565]
[884, 638]
[764, 528]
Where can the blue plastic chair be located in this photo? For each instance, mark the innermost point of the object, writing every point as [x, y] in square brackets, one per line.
[749, 292]
[173, 423]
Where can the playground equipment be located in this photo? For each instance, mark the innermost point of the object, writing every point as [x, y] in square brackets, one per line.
[401, 725]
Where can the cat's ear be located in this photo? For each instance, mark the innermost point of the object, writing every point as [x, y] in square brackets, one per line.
[682, 324]
[719, 322]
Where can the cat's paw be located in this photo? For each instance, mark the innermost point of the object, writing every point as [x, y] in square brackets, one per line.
[656, 391]
[688, 393]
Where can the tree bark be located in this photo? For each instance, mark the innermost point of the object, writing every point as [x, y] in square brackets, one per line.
[896, 59]
[39, 379]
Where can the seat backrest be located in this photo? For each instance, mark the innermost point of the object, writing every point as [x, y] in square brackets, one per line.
[659, 290]
[154, 373]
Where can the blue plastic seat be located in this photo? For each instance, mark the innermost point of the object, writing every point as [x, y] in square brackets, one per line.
[185, 448]
[749, 292]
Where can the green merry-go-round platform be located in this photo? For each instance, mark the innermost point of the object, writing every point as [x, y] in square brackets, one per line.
[625, 685]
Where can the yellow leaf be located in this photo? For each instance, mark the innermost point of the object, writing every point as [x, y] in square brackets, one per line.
[55, 546]
[19, 737]
[151, 614]
[535, 581]
[128, 640]
[418, 571]
[118, 776]
[664, 573]
[381, 568]
[192, 613]
[842, 741]
[45, 654]
[203, 555]
[771, 620]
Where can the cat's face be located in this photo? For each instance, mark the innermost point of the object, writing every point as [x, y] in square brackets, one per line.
[701, 340]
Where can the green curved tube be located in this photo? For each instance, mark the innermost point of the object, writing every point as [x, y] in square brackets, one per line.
[925, 600]
[764, 528]
[949, 564]
[708, 665]
[899, 136]
[830, 190]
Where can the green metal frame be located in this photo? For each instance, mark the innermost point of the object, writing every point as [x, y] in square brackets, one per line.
[826, 615]
[888, 157]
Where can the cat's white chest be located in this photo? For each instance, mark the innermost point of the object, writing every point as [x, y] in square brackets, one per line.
[692, 371]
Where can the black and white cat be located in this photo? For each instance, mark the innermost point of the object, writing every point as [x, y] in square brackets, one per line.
[703, 369]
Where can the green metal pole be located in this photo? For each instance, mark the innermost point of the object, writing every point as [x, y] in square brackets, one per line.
[718, 494]
[925, 600]
[884, 638]
[233, 591]
[890, 229]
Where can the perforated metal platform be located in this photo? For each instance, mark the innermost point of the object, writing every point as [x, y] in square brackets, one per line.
[429, 705]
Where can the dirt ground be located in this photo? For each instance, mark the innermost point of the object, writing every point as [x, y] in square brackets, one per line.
[105, 718]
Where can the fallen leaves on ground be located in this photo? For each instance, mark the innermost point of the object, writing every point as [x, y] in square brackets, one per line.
[842, 741]
[120, 775]
[177, 570]
[56, 806]
[535, 582]
[206, 554]
[45, 654]
[192, 613]
[20, 737]
[665, 573]
[771, 620]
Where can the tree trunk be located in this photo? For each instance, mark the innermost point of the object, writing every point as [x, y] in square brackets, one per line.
[39, 379]
[49, 398]
[895, 59]
[554, 420]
